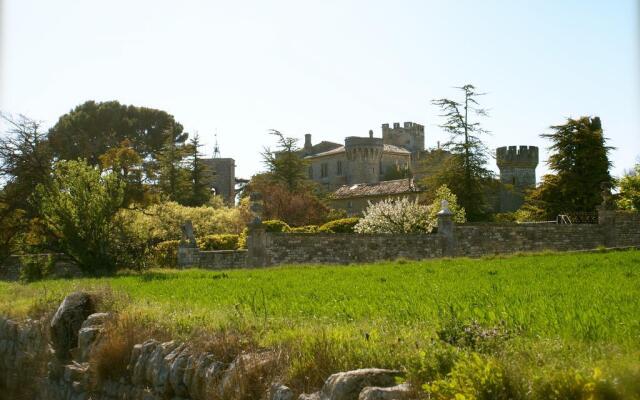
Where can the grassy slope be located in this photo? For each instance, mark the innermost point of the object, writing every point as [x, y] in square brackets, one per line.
[568, 310]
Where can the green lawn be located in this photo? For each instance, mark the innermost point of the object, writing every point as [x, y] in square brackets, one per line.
[549, 312]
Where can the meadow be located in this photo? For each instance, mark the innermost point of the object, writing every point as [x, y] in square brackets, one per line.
[527, 326]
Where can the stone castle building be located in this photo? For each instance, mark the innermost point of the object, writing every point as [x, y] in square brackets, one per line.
[369, 168]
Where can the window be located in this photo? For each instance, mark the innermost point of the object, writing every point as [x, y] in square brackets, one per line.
[310, 172]
[324, 170]
[339, 168]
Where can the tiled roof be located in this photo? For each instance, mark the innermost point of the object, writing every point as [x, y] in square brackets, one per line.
[388, 148]
[398, 186]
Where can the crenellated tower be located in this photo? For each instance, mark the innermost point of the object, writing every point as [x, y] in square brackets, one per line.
[363, 157]
[409, 136]
[517, 166]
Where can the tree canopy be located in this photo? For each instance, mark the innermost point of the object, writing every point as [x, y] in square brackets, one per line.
[579, 158]
[92, 128]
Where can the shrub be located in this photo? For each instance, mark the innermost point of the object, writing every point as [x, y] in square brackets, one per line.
[504, 217]
[78, 207]
[165, 254]
[162, 222]
[34, 268]
[344, 225]
[406, 216]
[276, 226]
[305, 229]
[242, 238]
[395, 216]
[218, 242]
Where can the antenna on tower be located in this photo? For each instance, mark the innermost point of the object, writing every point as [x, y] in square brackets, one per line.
[216, 148]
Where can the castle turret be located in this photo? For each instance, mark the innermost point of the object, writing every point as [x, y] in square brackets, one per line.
[409, 136]
[363, 156]
[517, 168]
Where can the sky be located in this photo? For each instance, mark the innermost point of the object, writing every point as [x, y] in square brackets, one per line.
[329, 68]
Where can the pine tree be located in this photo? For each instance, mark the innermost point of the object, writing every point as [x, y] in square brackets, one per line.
[581, 164]
[465, 170]
[200, 175]
[172, 177]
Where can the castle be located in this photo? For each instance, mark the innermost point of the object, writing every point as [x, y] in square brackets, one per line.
[370, 168]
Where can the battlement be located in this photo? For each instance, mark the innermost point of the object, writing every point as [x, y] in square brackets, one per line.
[517, 156]
[406, 125]
[353, 141]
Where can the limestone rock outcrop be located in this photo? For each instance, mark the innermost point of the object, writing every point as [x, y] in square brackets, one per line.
[67, 321]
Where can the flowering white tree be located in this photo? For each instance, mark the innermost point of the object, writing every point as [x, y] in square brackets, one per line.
[406, 216]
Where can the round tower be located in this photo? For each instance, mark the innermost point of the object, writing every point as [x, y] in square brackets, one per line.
[363, 156]
[518, 165]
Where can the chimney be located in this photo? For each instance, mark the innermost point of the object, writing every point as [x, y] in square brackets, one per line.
[307, 141]
[370, 133]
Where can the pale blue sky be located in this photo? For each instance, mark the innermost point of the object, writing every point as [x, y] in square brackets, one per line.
[329, 68]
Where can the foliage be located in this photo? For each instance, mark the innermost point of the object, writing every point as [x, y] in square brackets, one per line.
[276, 226]
[285, 165]
[399, 172]
[305, 229]
[395, 216]
[242, 238]
[163, 221]
[218, 242]
[473, 377]
[126, 163]
[443, 193]
[78, 207]
[629, 197]
[25, 162]
[172, 176]
[465, 170]
[165, 254]
[406, 216]
[92, 128]
[35, 267]
[580, 161]
[302, 207]
[343, 225]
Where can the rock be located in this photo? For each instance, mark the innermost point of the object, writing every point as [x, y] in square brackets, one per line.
[280, 392]
[234, 379]
[142, 353]
[348, 385]
[399, 392]
[75, 372]
[66, 323]
[89, 333]
[178, 360]
[312, 396]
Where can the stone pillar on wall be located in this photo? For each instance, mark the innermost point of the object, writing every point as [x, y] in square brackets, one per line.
[257, 237]
[446, 229]
[607, 222]
[188, 251]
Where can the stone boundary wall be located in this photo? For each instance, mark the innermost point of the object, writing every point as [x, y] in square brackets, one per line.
[62, 266]
[341, 248]
[479, 240]
[615, 229]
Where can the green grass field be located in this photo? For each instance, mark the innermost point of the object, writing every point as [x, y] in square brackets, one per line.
[540, 322]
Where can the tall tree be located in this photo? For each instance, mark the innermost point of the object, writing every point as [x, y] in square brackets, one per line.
[25, 162]
[78, 208]
[581, 164]
[466, 168]
[200, 175]
[172, 176]
[92, 128]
